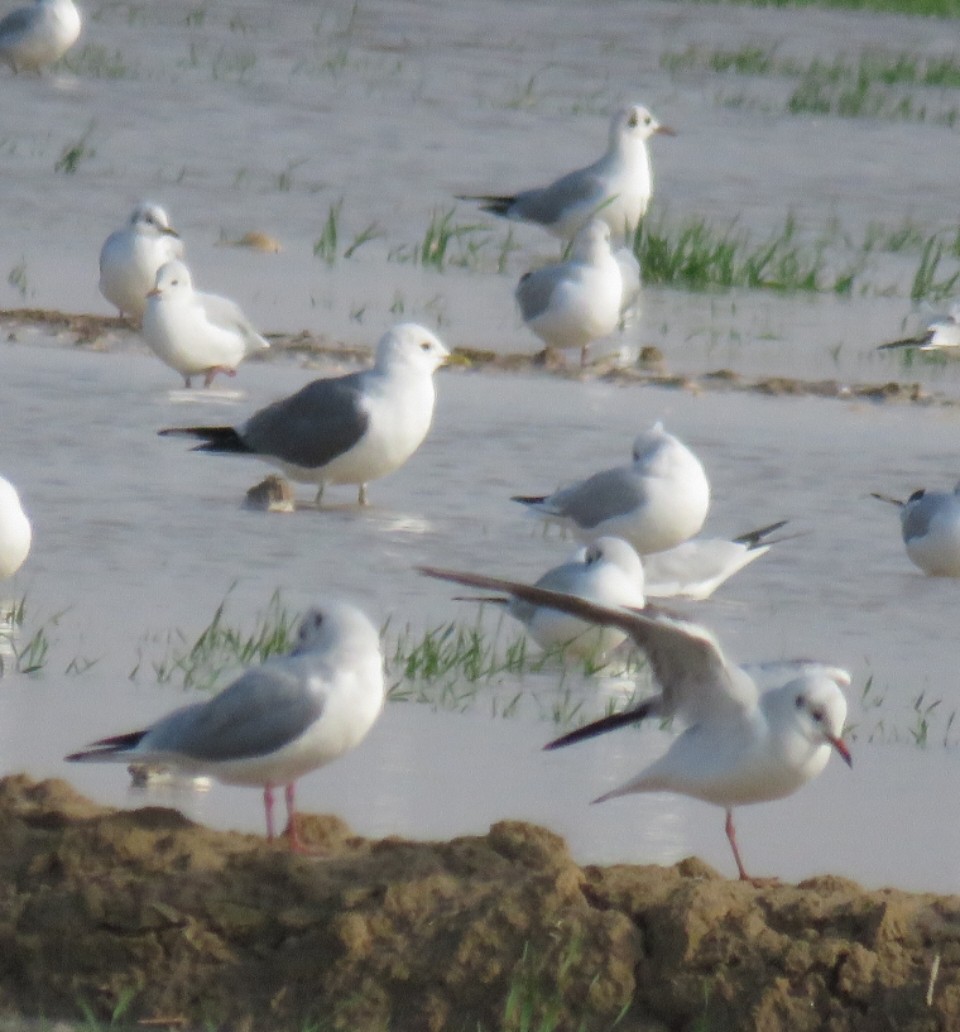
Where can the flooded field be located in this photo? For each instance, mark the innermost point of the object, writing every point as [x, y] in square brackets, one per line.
[244, 116]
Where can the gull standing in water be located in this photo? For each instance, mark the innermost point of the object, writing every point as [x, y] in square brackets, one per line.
[740, 746]
[656, 502]
[930, 524]
[131, 257]
[574, 302]
[345, 429]
[32, 38]
[276, 722]
[196, 333]
[616, 188]
[15, 532]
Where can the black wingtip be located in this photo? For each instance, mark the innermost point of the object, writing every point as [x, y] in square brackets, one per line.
[605, 724]
[529, 499]
[755, 538]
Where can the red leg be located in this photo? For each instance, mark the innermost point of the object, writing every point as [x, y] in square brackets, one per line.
[293, 837]
[268, 810]
[732, 837]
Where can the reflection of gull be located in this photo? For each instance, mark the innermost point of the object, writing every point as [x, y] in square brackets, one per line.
[656, 502]
[696, 568]
[277, 721]
[942, 334]
[609, 572]
[616, 188]
[194, 332]
[740, 746]
[574, 302]
[131, 256]
[15, 533]
[345, 429]
[33, 37]
[930, 524]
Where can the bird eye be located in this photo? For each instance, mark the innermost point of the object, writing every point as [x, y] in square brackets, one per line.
[317, 620]
[632, 121]
[817, 715]
[425, 345]
[800, 701]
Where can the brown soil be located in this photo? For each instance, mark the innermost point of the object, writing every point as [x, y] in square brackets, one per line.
[102, 333]
[194, 928]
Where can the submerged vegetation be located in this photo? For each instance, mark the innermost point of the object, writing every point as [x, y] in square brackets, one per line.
[917, 8]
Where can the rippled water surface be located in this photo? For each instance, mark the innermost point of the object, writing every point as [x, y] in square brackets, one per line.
[261, 116]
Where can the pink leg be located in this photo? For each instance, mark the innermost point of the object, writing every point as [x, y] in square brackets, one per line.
[212, 372]
[296, 843]
[268, 810]
[732, 837]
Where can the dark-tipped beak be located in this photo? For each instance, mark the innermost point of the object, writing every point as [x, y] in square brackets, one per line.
[665, 130]
[154, 293]
[841, 746]
[170, 231]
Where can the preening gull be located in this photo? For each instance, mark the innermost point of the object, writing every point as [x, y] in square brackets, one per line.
[930, 525]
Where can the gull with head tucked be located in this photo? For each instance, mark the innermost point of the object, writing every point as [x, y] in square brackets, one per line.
[930, 525]
[656, 502]
[344, 429]
[193, 332]
[740, 745]
[131, 256]
[616, 188]
[32, 38]
[276, 722]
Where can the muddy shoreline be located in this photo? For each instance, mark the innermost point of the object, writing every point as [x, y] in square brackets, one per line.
[106, 333]
[175, 925]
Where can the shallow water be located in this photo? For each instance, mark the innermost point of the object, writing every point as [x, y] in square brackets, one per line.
[395, 109]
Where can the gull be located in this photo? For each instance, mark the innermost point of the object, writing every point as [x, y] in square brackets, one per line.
[276, 722]
[131, 257]
[696, 568]
[615, 188]
[656, 502]
[574, 302]
[15, 533]
[193, 332]
[609, 572]
[345, 429]
[740, 745]
[31, 38]
[930, 524]
[941, 334]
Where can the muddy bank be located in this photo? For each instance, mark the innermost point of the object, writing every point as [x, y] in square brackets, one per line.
[195, 928]
[106, 333]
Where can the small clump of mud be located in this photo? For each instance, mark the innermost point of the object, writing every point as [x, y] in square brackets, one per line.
[142, 911]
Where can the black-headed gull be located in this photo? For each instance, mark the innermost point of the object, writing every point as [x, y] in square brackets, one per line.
[276, 722]
[740, 746]
[942, 333]
[607, 571]
[930, 525]
[656, 502]
[615, 188]
[576, 301]
[15, 532]
[696, 568]
[193, 332]
[345, 429]
[34, 37]
[132, 255]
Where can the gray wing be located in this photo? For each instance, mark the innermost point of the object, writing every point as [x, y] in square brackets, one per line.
[16, 24]
[915, 519]
[260, 712]
[697, 682]
[221, 311]
[549, 204]
[612, 492]
[560, 578]
[535, 290]
[312, 427]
